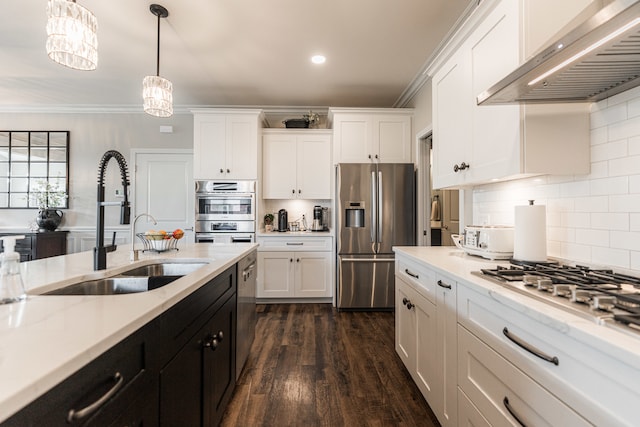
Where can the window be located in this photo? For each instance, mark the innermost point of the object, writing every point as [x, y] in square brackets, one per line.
[28, 161]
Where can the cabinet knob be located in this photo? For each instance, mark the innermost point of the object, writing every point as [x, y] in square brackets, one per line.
[221, 170]
[299, 191]
[293, 191]
[369, 156]
[376, 156]
[212, 342]
[228, 170]
[297, 259]
[462, 166]
[406, 302]
[456, 168]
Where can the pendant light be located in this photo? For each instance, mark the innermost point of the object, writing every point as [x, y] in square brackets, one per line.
[72, 38]
[156, 90]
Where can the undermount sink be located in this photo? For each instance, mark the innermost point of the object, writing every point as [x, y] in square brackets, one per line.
[165, 269]
[139, 279]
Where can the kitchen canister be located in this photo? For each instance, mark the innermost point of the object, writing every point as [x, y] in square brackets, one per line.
[530, 233]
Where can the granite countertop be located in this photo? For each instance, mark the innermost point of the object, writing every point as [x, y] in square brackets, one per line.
[456, 263]
[45, 339]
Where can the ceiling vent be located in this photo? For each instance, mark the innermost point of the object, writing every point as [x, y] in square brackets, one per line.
[597, 59]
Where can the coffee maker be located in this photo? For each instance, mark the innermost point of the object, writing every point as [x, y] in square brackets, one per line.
[317, 224]
[283, 220]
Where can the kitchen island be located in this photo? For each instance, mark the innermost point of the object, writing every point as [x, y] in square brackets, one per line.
[47, 338]
[484, 354]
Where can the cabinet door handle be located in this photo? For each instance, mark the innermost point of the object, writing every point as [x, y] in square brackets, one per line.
[74, 415]
[295, 243]
[415, 276]
[444, 285]
[513, 413]
[530, 348]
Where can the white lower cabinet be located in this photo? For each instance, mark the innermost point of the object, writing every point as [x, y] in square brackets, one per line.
[426, 334]
[295, 267]
[502, 393]
[484, 355]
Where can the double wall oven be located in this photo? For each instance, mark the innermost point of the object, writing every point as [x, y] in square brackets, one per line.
[225, 211]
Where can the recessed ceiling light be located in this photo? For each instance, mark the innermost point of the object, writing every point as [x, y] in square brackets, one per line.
[318, 59]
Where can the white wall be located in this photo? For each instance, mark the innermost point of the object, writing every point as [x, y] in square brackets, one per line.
[91, 134]
[594, 218]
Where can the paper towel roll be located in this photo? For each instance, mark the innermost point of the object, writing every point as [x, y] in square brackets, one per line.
[530, 234]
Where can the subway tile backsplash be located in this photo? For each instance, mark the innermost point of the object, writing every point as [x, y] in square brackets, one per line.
[594, 219]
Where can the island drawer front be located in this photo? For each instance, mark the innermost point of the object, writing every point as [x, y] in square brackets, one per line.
[418, 275]
[602, 396]
[495, 386]
[128, 359]
[284, 243]
[178, 324]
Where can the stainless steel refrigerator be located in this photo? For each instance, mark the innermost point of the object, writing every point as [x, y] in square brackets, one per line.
[375, 211]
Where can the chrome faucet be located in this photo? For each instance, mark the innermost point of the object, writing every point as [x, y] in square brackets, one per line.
[100, 251]
[134, 252]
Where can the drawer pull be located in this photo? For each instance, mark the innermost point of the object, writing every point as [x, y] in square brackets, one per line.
[415, 276]
[531, 349]
[515, 416]
[295, 243]
[74, 415]
[443, 285]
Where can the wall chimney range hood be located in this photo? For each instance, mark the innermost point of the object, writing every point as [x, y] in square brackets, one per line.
[597, 59]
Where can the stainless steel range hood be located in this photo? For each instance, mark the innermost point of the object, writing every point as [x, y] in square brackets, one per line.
[597, 59]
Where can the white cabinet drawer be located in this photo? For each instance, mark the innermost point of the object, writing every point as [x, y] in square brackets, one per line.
[293, 243]
[468, 414]
[418, 275]
[573, 371]
[503, 394]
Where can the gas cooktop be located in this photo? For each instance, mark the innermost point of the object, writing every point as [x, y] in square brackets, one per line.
[609, 298]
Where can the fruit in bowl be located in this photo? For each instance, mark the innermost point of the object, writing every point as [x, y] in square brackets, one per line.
[178, 233]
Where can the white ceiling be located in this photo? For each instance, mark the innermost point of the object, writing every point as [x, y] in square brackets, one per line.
[231, 52]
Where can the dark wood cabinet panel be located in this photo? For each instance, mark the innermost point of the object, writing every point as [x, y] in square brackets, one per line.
[40, 245]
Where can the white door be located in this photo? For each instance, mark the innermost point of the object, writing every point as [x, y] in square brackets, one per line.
[164, 188]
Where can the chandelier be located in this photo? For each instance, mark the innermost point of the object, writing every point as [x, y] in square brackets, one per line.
[72, 38]
[157, 91]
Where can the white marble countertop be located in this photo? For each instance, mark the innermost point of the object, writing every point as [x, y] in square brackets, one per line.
[459, 265]
[45, 339]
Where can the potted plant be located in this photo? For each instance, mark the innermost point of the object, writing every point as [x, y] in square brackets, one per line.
[48, 197]
[268, 222]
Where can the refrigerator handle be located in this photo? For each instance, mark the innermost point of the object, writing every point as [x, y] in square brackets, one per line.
[380, 210]
[374, 212]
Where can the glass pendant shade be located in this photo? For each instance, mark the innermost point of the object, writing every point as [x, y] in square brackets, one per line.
[157, 93]
[72, 38]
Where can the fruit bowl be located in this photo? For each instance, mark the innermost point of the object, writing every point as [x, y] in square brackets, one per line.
[158, 242]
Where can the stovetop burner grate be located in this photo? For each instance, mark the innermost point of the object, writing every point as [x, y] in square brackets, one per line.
[603, 294]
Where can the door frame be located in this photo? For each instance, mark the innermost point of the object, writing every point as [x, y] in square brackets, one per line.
[423, 186]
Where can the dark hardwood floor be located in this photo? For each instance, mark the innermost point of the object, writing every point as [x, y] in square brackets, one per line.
[311, 365]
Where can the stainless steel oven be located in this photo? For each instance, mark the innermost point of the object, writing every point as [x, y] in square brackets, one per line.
[225, 211]
[225, 200]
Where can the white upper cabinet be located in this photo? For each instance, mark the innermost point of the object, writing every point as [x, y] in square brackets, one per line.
[225, 143]
[371, 135]
[296, 164]
[476, 144]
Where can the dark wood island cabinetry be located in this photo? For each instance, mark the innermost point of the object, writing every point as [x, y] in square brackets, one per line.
[177, 370]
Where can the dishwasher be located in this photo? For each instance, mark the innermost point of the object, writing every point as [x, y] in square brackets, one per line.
[247, 317]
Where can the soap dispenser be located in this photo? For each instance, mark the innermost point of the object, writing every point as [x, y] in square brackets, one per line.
[11, 286]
